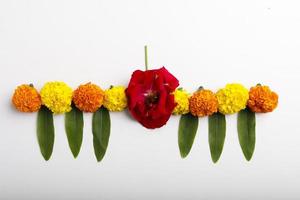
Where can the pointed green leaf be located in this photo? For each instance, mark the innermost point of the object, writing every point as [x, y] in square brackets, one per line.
[74, 129]
[246, 132]
[98, 149]
[101, 131]
[188, 126]
[216, 135]
[45, 132]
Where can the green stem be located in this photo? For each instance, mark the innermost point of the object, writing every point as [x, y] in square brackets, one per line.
[200, 88]
[146, 57]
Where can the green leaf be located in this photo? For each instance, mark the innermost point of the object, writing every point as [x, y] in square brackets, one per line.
[101, 132]
[45, 132]
[246, 132]
[98, 149]
[74, 129]
[216, 135]
[188, 126]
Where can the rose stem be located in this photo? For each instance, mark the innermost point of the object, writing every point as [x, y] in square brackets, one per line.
[146, 57]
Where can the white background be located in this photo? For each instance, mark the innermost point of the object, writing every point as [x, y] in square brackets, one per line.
[207, 43]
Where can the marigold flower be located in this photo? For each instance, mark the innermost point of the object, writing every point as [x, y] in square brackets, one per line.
[182, 99]
[26, 98]
[57, 96]
[232, 98]
[203, 103]
[88, 97]
[115, 98]
[262, 99]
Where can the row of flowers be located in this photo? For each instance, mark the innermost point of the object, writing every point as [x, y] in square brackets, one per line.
[231, 99]
[151, 97]
[58, 97]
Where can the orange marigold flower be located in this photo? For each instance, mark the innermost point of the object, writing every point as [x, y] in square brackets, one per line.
[26, 98]
[88, 97]
[262, 99]
[203, 103]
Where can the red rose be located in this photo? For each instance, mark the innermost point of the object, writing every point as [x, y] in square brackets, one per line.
[150, 98]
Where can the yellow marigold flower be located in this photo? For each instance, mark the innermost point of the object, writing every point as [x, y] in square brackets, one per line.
[203, 103]
[182, 99]
[115, 98]
[262, 99]
[232, 98]
[26, 98]
[57, 96]
[88, 97]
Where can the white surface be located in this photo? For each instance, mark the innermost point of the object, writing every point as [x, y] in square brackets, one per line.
[207, 43]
